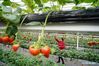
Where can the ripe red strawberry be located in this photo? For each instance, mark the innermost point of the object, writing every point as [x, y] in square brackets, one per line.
[45, 51]
[15, 47]
[5, 39]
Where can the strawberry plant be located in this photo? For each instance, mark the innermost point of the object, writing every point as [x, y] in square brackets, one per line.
[20, 60]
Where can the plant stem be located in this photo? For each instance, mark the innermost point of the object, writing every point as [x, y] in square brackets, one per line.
[7, 26]
[43, 29]
[22, 21]
[20, 26]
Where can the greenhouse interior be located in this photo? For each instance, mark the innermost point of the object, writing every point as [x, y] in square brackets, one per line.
[49, 32]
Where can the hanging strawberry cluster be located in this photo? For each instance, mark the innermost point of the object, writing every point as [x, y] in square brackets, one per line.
[40, 47]
[9, 40]
[45, 50]
[92, 43]
[6, 39]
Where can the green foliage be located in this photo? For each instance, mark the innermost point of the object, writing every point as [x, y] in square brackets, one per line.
[6, 9]
[62, 2]
[78, 8]
[76, 2]
[9, 3]
[14, 5]
[17, 59]
[45, 1]
[0, 11]
[95, 3]
[54, 8]
[11, 30]
[21, 60]
[30, 5]
[12, 17]
[88, 1]
[38, 2]
[6, 2]
[46, 9]
[80, 54]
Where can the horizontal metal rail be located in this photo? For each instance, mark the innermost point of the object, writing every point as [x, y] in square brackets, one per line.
[63, 28]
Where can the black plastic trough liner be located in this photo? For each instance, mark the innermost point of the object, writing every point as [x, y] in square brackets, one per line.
[91, 15]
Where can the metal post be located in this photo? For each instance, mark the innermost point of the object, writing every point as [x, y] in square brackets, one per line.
[77, 40]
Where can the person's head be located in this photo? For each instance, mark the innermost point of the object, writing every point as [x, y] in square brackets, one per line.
[62, 39]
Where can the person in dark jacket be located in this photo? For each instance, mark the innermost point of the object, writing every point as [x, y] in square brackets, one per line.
[61, 46]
